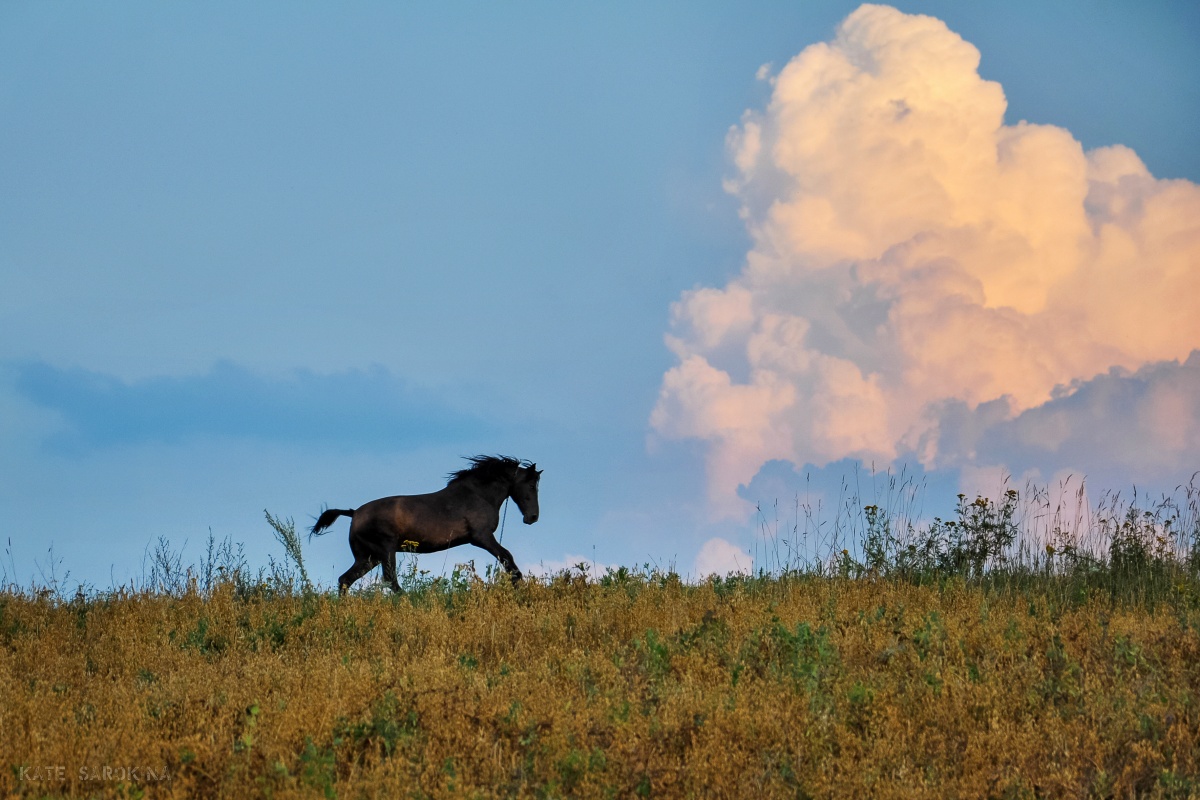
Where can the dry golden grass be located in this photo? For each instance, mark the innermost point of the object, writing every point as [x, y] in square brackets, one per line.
[648, 687]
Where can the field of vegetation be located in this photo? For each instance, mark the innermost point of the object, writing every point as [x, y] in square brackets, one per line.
[953, 659]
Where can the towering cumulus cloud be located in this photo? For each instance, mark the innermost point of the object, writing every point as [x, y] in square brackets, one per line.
[923, 275]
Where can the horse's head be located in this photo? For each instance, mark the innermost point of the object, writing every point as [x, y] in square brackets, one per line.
[525, 492]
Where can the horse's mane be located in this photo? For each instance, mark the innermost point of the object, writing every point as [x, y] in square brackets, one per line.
[488, 468]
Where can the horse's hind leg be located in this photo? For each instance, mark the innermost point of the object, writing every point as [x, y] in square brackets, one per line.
[364, 562]
[362, 565]
[389, 570]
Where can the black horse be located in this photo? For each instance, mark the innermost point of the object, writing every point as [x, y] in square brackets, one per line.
[467, 511]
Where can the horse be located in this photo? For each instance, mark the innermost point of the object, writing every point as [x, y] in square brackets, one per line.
[467, 511]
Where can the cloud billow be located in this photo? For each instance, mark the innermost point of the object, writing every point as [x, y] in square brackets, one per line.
[1144, 424]
[370, 410]
[927, 282]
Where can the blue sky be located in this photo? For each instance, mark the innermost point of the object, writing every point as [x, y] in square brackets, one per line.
[273, 257]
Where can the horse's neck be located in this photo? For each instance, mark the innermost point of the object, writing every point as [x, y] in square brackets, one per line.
[494, 492]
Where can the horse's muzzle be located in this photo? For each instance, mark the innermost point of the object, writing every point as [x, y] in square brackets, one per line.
[530, 519]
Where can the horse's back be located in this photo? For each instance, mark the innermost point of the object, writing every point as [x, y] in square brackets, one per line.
[432, 517]
[388, 511]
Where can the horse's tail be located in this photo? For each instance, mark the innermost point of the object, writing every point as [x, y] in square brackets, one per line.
[326, 519]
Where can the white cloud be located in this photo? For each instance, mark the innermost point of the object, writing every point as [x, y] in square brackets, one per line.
[916, 261]
[1146, 422]
[719, 557]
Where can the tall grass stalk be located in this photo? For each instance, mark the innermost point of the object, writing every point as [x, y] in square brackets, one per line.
[285, 533]
[1133, 548]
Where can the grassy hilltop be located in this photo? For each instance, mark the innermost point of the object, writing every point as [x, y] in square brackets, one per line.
[876, 672]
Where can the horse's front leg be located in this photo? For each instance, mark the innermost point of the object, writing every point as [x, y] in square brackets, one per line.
[489, 543]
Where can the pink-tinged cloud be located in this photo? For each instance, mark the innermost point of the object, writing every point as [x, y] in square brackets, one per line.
[719, 557]
[913, 254]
